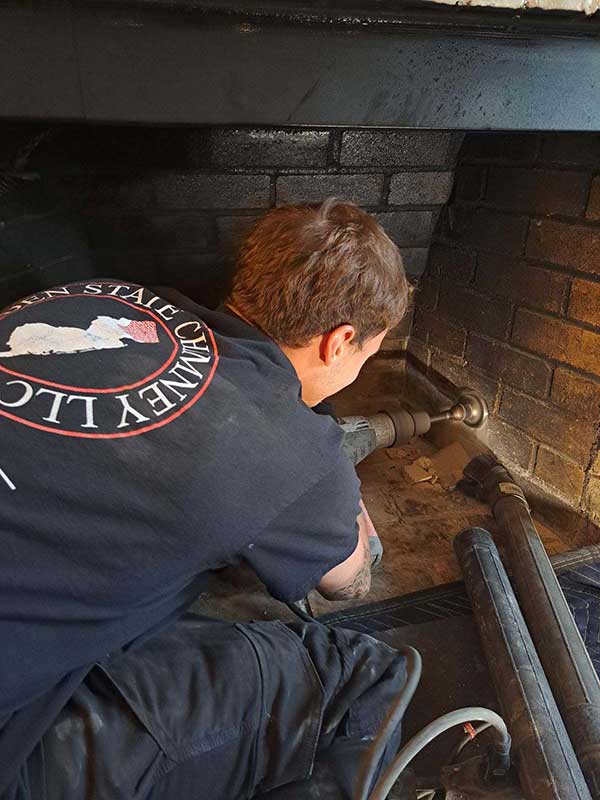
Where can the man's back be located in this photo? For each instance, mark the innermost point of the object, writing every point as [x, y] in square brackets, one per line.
[138, 441]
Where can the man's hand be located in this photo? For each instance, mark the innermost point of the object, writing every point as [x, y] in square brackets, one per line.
[351, 579]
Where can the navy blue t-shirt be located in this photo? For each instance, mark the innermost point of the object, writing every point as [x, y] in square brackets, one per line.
[142, 444]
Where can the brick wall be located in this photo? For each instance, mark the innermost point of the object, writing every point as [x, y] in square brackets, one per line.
[169, 205]
[510, 303]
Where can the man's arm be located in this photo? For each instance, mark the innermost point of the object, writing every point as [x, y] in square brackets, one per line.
[352, 578]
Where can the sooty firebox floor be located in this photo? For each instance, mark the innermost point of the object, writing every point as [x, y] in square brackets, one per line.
[416, 522]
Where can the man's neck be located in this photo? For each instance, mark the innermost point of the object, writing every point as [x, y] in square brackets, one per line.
[300, 358]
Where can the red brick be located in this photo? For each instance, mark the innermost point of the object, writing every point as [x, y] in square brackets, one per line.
[558, 339]
[452, 263]
[593, 209]
[567, 434]
[487, 229]
[510, 444]
[579, 394]
[537, 191]
[474, 311]
[443, 335]
[522, 371]
[584, 303]
[520, 282]
[560, 473]
[575, 246]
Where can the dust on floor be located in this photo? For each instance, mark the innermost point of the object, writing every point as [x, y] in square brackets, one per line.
[417, 524]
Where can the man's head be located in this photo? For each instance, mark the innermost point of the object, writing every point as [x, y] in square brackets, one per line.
[326, 283]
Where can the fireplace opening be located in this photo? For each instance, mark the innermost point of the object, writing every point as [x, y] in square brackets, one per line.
[499, 234]
[140, 142]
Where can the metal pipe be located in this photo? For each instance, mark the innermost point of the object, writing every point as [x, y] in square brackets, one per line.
[548, 767]
[562, 652]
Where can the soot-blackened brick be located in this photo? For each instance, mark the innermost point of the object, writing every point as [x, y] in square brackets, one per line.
[453, 371]
[138, 267]
[520, 370]
[160, 232]
[420, 188]
[365, 190]
[420, 353]
[469, 182]
[120, 146]
[486, 229]
[566, 244]
[415, 261]
[204, 277]
[572, 148]
[264, 147]
[443, 335]
[427, 292]
[474, 311]
[575, 392]
[452, 264]
[408, 228]
[558, 339]
[38, 241]
[397, 148]
[510, 444]
[561, 473]
[538, 191]
[520, 282]
[567, 434]
[231, 231]
[120, 191]
[484, 146]
[192, 190]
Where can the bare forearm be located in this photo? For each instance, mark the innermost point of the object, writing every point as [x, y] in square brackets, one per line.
[358, 583]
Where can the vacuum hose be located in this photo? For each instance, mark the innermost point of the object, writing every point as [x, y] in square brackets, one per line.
[548, 768]
[562, 652]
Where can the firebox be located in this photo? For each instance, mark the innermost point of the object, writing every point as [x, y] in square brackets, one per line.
[141, 140]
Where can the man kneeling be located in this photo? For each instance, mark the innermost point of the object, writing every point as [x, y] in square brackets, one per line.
[186, 443]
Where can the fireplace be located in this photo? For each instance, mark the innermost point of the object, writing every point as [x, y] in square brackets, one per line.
[471, 134]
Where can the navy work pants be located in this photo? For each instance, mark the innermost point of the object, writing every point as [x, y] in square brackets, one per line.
[219, 711]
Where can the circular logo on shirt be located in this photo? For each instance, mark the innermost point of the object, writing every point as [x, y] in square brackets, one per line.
[101, 360]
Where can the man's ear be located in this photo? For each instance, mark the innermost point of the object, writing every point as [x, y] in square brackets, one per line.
[334, 345]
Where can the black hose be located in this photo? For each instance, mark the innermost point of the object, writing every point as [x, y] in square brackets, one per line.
[548, 767]
[562, 652]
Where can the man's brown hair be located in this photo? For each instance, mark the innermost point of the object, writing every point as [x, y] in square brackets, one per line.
[306, 269]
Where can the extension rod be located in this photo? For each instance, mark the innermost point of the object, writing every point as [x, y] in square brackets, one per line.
[560, 647]
[363, 435]
[548, 767]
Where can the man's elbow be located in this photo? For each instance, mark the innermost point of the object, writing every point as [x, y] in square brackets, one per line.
[355, 589]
